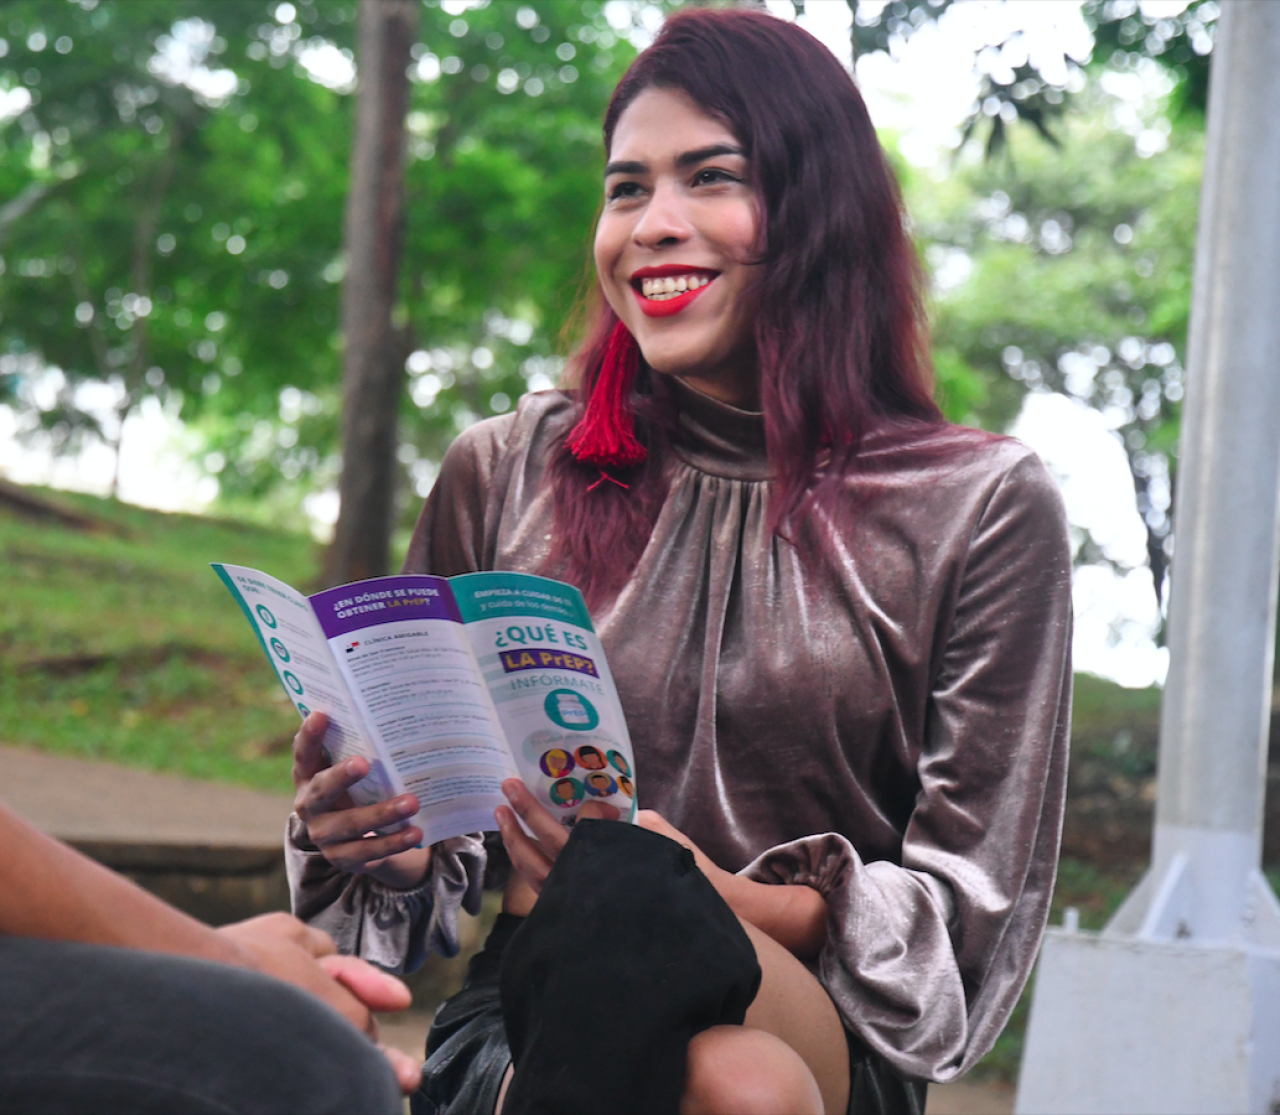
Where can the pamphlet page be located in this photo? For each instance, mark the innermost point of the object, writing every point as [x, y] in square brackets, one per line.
[296, 646]
[554, 695]
[402, 648]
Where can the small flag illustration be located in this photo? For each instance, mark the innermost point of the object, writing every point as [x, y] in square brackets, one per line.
[353, 646]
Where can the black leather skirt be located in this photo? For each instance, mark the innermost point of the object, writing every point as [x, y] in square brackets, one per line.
[468, 1055]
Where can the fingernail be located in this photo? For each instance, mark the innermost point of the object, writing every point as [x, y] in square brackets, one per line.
[405, 806]
[511, 787]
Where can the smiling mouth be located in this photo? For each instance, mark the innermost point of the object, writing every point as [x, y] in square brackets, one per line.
[672, 286]
[662, 291]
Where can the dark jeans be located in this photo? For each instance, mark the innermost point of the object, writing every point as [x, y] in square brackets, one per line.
[85, 1028]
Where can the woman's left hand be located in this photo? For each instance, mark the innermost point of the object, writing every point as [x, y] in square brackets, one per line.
[721, 879]
[532, 856]
[794, 916]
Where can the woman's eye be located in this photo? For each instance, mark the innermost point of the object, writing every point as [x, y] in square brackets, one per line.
[711, 176]
[623, 189]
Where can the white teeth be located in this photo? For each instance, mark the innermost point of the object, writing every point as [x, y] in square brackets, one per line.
[661, 290]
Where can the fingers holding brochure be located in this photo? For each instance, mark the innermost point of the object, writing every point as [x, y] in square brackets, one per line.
[347, 834]
[533, 849]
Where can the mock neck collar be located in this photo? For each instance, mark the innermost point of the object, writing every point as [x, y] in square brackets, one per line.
[717, 438]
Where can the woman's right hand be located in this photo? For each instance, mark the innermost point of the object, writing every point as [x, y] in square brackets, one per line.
[344, 831]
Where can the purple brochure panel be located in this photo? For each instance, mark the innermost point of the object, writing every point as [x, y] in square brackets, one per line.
[401, 646]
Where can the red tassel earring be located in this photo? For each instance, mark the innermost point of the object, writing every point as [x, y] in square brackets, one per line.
[605, 434]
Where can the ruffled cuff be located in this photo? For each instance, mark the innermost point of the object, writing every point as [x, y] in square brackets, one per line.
[888, 962]
[395, 929]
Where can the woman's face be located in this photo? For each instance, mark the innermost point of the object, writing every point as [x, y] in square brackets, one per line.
[680, 209]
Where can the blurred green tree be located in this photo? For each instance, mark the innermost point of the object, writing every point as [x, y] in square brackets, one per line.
[502, 184]
[1078, 249]
[373, 375]
[171, 218]
[1071, 271]
[173, 178]
[1014, 90]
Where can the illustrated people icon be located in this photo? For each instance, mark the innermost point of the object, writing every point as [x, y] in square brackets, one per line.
[556, 762]
[624, 784]
[619, 760]
[566, 792]
[589, 758]
[600, 784]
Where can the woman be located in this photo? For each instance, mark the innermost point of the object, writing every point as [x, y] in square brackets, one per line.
[840, 627]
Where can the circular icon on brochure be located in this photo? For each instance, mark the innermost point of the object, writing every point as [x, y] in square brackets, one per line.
[556, 763]
[619, 761]
[282, 652]
[600, 785]
[566, 792]
[304, 710]
[292, 682]
[264, 614]
[626, 786]
[589, 758]
[571, 710]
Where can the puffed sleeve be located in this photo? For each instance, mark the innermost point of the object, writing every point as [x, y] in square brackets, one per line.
[925, 959]
[396, 929]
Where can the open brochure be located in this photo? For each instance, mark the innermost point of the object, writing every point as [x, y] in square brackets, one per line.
[449, 685]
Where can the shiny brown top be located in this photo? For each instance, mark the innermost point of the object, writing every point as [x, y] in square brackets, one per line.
[888, 725]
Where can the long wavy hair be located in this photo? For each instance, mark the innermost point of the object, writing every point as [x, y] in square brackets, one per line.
[840, 330]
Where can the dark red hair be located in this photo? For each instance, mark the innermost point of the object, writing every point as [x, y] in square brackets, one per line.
[841, 330]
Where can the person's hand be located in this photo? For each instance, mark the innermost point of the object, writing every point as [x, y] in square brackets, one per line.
[793, 915]
[724, 881]
[343, 831]
[282, 947]
[532, 856]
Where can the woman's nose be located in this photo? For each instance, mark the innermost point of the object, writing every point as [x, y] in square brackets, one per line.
[663, 220]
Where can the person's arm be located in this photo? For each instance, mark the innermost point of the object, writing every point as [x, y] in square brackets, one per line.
[794, 915]
[52, 892]
[926, 955]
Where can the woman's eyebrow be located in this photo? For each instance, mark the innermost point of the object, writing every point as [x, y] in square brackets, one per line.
[625, 168]
[689, 158]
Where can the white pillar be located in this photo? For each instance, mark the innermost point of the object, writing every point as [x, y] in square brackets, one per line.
[1175, 1006]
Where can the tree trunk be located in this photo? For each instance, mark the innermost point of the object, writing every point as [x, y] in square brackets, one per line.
[373, 372]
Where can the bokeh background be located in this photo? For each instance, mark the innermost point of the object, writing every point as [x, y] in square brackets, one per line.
[175, 208]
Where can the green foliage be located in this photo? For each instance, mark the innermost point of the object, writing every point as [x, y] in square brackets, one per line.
[1012, 89]
[187, 245]
[1079, 263]
[120, 643]
[173, 241]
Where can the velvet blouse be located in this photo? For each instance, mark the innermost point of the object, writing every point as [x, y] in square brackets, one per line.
[888, 724]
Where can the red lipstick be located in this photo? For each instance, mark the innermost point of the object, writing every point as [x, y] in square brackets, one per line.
[668, 306]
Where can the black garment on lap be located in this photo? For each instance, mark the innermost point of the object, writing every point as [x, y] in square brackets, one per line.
[627, 954]
[468, 1054]
[96, 1030]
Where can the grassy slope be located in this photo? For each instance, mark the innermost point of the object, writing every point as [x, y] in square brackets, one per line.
[181, 685]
